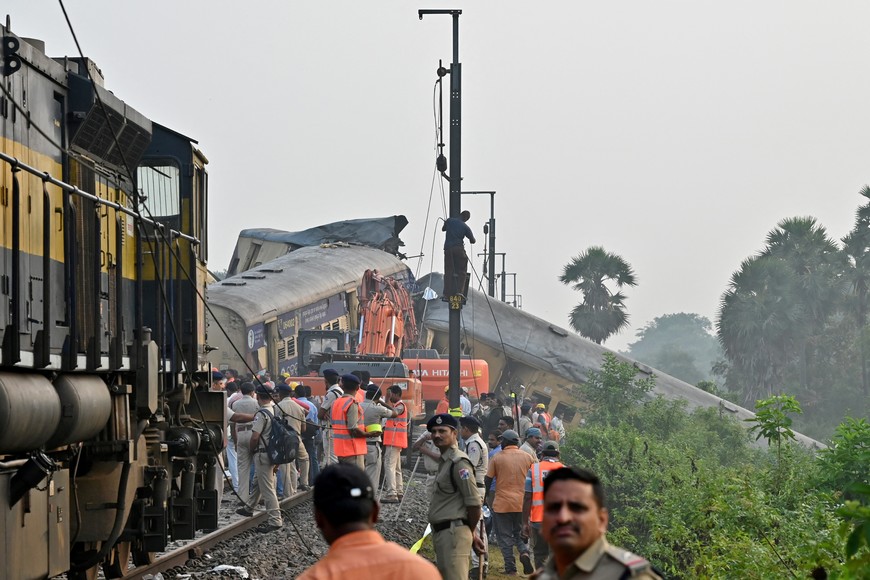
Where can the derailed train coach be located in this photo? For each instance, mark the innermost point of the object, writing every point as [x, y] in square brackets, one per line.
[108, 436]
[279, 315]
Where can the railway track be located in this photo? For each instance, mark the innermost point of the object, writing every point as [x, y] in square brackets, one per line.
[195, 548]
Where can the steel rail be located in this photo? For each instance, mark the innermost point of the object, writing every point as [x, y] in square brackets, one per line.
[198, 547]
[45, 176]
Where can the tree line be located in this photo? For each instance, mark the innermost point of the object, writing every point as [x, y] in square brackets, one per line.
[794, 318]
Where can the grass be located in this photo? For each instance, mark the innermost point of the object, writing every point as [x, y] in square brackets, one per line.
[496, 562]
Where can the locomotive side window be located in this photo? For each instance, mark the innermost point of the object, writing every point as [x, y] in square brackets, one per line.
[201, 188]
[159, 184]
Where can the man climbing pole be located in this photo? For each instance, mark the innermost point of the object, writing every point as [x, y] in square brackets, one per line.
[455, 258]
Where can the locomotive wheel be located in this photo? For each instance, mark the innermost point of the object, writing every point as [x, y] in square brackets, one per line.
[119, 558]
[141, 558]
[89, 574]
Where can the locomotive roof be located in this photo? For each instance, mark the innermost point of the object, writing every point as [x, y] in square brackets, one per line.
[298, 279]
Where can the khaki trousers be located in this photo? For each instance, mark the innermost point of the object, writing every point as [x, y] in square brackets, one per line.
[453, 552]
[329, 457]
[245, 459]
[358, 460]
[266, 489]
[393, 485]
[373, 464]
[475, 559]
[292, 475]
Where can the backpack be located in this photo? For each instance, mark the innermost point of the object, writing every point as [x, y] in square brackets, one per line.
[283, 444]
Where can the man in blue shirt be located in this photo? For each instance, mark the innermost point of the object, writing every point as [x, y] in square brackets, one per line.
[455, 259]
[303, 393]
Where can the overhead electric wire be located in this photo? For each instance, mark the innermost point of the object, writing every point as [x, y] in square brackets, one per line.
[431, 267]
[494, 319]
[426, 223]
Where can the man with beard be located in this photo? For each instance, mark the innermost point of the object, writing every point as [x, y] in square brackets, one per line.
[574, 525]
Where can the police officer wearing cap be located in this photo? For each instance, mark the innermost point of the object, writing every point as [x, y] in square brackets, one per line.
[265, 471]
[296, 472]
[246, 458]
[455, 505]
[348, 425]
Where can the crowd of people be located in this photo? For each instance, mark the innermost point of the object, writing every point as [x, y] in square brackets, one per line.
[493, 474]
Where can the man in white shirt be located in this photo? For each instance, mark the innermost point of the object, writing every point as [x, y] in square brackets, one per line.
[333, 391]
[464, 402]
[265, 470]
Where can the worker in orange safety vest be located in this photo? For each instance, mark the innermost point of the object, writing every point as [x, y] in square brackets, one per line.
[533, 501]
[348, 433]
[542, 420]
[444, 403]
[395, 439]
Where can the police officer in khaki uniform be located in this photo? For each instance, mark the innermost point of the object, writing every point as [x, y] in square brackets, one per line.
[574, 525]
[478, 453]
[455, 505]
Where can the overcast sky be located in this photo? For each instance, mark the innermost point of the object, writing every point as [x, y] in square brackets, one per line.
[676, 134]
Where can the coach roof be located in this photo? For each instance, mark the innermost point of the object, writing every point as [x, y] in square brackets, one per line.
[299, 279]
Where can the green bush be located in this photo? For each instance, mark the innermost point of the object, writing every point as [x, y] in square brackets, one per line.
[687, 491]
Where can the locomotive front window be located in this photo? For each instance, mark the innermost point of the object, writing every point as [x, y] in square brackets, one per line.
[159, 184]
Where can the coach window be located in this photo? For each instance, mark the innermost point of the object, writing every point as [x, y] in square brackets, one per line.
[566, 411]
[159, 185]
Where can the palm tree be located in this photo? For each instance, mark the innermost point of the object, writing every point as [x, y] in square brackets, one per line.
[602, 312]
[814, 257]
[758, 322]
[804, 245]
[856, 247]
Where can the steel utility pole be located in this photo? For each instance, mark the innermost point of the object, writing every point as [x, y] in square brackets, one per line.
[503, 275]
[455, 196]
[514, 295]
[491, 231]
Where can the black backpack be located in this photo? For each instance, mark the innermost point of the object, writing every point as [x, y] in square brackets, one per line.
[283, 444]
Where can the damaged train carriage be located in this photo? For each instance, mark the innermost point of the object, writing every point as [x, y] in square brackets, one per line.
[293, 312]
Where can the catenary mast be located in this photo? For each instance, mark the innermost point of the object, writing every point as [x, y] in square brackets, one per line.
[457, 300]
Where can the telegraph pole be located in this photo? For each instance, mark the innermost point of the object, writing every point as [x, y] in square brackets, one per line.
[455, 196]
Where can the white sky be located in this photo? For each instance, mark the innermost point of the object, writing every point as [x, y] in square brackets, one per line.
[674, 133]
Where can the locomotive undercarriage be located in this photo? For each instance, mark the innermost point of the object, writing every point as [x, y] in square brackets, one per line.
[129, 488]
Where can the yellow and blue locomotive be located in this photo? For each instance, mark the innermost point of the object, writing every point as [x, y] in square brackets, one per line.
[109, 435]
